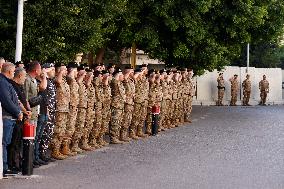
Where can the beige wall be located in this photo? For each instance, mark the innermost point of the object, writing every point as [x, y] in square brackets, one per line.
[207, 85]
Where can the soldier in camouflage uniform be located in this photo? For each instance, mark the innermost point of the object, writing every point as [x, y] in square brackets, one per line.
[180, 113]
[82, 109]
[164, 93]
[117, 106]
[192, 90]
[170, 101]
[175, 105]
[106, 112]
[186, 95]
[221, 89]
[234, 90]
[246, 90]
[264, 90]
[129, 86]
[145, 92]
[97, 82]
[90, 113]
[73, 108]
[159, 98]
[138, 100]
[62, 111]
[151, 100]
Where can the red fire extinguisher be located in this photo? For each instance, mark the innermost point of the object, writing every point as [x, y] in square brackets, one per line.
[28, 148]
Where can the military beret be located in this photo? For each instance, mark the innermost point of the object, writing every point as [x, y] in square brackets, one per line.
[235, 75]
[97, 73]
[111, 66]
[163, 71]
[19, 62]
[105, 72]
[169, 71]
[183, 69]
[88, 69]
[117, 71]
[151, 71]
[144, 65]
[72, 65]
[82, 67]
[48, 65]
[138, 70]
[128, 67]
[59, 64]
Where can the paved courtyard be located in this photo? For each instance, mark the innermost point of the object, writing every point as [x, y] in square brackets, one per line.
[224, 148]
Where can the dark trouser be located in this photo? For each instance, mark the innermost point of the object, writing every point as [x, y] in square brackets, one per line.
[8, 126]
[41, 124]
[47, 135]
[15, 149]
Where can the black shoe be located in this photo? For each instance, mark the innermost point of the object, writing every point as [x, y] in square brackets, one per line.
[10, 173]
[51, 159]
[36, 163]
[42, 162]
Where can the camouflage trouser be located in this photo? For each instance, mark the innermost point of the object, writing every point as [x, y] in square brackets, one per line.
[116, 121]
[97, 122]
[48, 133]
[72, 118]
[168, 113]
[263, 96]
[174, 115]
[187, 106]
[60, 128]
[136, 118]
[246, 97]
[106, 116]
[81, 119]
[162, 120]
[149, 120]
[221, 93]
[127, 117]
[90, 117]
[234, 97]
[180, 112]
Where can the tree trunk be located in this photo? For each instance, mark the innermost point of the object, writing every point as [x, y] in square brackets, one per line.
[100, 56]
[133, 55]
[91, 58]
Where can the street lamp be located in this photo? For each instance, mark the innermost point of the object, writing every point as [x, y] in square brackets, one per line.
[19, 36]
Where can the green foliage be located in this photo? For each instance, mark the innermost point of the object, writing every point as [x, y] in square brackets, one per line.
[202, 34]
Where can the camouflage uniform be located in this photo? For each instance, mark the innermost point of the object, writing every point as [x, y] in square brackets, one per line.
[168, 96]
[234, 91]
[106, 113]
[128, 108]
[192, 90]
[98, 113]
[159, 100]
[180, 113]
[61, 117]
[117, 108]
[80, 123]
[221, 90]
[151, 102]
[175, 105]
[246, 91]
[138, 106]
[164, 109]
[145, 92]
[72, 116]
[186, 98]
[264, 89]
[90, 116]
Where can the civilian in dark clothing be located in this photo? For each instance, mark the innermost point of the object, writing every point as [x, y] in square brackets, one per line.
[11, 110]
[15, 148]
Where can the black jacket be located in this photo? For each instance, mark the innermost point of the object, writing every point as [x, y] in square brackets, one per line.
[8, 98]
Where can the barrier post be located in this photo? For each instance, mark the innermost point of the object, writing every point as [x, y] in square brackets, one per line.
[28, 148]
[155, 119]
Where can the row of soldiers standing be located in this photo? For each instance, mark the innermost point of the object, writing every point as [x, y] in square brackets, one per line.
[246, 85]
[93, 103]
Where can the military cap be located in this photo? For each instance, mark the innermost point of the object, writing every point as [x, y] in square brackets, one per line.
[72, 65]
[48, 65]
[59, 64]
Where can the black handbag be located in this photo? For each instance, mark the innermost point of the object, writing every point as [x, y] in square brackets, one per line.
[35, 101]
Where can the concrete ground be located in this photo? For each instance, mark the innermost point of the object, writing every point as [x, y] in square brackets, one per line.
[224, 148]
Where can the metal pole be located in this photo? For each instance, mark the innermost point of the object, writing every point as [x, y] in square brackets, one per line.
[19, 37]
[247, 58]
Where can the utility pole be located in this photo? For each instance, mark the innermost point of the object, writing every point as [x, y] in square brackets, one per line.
[19, 36]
